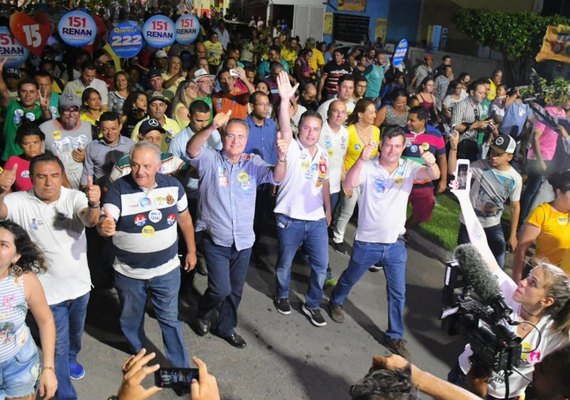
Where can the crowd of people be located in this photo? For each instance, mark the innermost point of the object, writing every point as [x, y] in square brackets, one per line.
[122, 165]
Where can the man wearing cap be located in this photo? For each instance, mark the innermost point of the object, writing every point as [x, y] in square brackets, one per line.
[232, 97]
[143, 212]
[67, 137]
[494, 182]
[205, 82]
[87, 79]
[155, 81]
[102, 154]
[160, 60]
[422, 71]
[26, 108]
[12, 77]
[157, 105]
[150, 131]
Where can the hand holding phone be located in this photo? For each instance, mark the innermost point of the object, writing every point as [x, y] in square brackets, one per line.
[175, 378]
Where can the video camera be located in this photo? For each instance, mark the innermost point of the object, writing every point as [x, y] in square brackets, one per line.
[480, 321]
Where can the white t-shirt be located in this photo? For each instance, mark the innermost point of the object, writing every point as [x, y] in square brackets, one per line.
[383, 200]
[550, 342]
[300, 195]
[335, 143]
[58, 231]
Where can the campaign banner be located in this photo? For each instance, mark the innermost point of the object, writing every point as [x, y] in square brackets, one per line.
[400, 53]
[11, 50]
[187, 28]
[352, 5]
[159, 31]
[77, 28]
[555, 44]
[126, 40]
[32, 32]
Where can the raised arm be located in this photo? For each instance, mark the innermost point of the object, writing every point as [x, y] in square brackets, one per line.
[431, 170]
[352, 178]
[195, 144]
[286, 92]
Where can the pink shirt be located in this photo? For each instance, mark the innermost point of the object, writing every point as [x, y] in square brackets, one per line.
[548, 138]
[23, 181]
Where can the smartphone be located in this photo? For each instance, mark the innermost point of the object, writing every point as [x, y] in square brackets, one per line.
[234, 73]
[175, 378]
[462, 174]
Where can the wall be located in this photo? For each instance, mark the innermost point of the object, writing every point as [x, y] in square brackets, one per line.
[403, 20]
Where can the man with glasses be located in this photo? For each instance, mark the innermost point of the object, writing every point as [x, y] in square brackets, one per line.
[205, 83]
[228, 182]
[67, 137]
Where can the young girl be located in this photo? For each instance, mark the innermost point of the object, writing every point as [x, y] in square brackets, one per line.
[20, 289]
[31, 139]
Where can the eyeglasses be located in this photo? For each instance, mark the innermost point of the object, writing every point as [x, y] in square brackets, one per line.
[72, 109]
[238, 138]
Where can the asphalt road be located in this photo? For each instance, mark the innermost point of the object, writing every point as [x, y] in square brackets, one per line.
[286, 357]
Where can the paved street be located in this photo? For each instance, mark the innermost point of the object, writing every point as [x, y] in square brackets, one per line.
[286, 357]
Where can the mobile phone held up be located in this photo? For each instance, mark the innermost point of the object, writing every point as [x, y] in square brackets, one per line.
[175, 378]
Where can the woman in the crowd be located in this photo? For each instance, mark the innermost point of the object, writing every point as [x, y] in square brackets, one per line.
[186, 93]
[118, 96]
[393, 83]
[303, 72]
[91, 108]
[540, 305]
[548, 226]
[427, 101]
[174, 74]
[31, 139]
[134, 110]
[455, 93]
[361, 131]
[395, 113]
[20, 290]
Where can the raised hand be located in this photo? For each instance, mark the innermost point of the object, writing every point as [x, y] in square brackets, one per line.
[221, 119]
[135, 369]
[93, 192]
[107, 225]
[427, 156]
[44, 101]
[7, 178]
[282, 147]
[206, 387]
[286, 91]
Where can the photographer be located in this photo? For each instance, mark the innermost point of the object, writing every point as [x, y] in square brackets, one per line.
[540, 303]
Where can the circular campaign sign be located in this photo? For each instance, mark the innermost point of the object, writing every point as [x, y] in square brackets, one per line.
[11, 50]
[126, 40]
[159, 31]
[187, 28]
[77, 28]
[400, 53]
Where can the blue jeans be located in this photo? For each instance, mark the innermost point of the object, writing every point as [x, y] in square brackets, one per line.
[227, 270]
[495, 239]
[69, 319]
[19, 375]
[393, 256]
[164, 297]
[291, 233]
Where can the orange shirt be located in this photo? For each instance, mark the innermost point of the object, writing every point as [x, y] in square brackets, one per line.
[236, 101]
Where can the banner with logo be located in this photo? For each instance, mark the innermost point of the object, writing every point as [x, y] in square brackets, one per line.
[351, 5]
[555, 44]
[10, 49]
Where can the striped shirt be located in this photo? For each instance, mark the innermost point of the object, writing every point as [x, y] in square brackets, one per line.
[13, 308]
[146, 242]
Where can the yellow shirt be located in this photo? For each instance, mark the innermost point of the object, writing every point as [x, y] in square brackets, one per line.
[355, 146]
[554, 239]
[87, 118]
[317, 61]
[565, 264]
[289, 55]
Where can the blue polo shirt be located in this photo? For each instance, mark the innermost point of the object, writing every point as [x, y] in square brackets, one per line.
[227, 196]
[262, 140]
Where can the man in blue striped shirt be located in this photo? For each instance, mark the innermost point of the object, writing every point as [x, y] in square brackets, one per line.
[142, 211]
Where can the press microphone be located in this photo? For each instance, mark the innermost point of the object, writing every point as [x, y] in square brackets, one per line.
[479, 277]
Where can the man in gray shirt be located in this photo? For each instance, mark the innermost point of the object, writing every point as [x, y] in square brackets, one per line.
[228, 187]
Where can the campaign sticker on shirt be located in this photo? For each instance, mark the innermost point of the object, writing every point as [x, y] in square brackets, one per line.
[145, 202]
[140, 220]
[563, 220]
[14, 52]
[31, 116]
[148, 231]
[309, 175]
[223, 181]
[413, 148]
[25, 174]
[357, 146]
[305, 165]
[322, 168]
[398, 181]
[126, 40]
[35, 224]
[331, 152]
[243, 177]
[159, 31]
[171, 219]
[379, 184]
[246, 185]
[77, 28]
[187, 28]
[18, 115]
[169, 199]
[56, 135]
[155, 216]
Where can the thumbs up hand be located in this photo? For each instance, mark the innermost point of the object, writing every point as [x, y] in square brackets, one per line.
[282, 147]
[7, 178]
[93, 192]
[107, 225]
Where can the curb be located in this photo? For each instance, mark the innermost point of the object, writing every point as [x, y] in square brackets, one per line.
[426, 246]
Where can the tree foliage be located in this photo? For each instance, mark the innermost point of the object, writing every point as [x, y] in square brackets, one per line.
[517, 35]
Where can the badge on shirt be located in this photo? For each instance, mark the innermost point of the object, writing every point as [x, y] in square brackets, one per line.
[305, 164]
[25, 174]
[148, 231]
[56, 135]
[169, 199]
[145, 202]
[243, 177]
[398, 181]
[357, 146]
[414, 148]
[223, 181]
[171, 219]
[140, 220]
[18, 115]
[563, 221]
[246, 185]
[35, 224]
[30, 116]
[155, 216]
[379, 184]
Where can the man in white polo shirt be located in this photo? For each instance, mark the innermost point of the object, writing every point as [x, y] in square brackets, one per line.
[385, 183]
[303, 209]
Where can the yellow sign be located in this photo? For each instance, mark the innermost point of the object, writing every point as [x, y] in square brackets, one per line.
[351, 5]
[328, 24]
[556, 44]
[381, 27]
